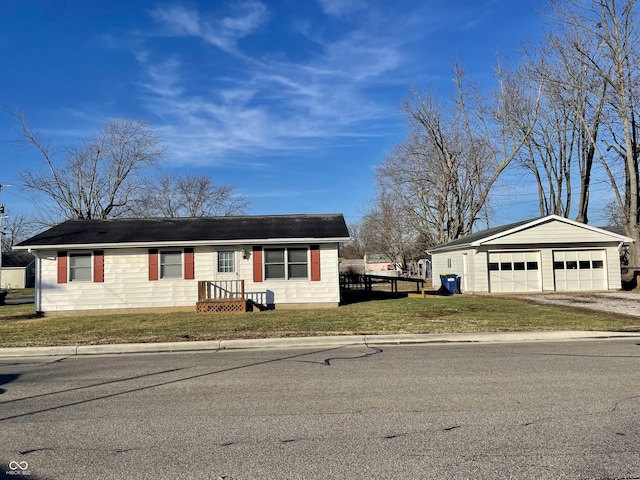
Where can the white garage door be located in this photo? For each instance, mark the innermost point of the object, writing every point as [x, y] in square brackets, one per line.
[576, 270]
[514, 272]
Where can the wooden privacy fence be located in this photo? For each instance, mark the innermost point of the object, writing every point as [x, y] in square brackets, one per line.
[221, 296]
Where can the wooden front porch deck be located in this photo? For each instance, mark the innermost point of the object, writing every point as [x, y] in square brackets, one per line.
[221, 296]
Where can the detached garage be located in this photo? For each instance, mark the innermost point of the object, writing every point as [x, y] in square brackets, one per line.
[544, 254]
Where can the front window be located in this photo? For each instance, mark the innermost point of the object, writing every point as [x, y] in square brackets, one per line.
[80, 267]
[274, 263]
[297, 262]
[285, 263]
[225, 261]
[171, 264]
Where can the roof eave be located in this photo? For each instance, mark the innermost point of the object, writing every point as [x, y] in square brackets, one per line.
[197, 243]
[445, 248]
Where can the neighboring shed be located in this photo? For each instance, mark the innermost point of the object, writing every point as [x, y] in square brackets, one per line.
[159, 263]
[379, 264]
[18, 270]
[550, 253]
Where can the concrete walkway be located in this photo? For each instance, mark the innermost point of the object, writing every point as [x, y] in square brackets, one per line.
[312, 342]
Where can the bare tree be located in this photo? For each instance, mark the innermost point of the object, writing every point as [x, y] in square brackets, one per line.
[442, 174]
[570, 117]
[16, 228]
[387, 231]
[612, 60]
[356, 247]
[188, 195]
[95, 180]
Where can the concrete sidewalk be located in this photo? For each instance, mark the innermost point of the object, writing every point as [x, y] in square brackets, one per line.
[302, 342]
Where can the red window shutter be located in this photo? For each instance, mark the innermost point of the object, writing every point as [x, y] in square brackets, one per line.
[98, 266]
[189, 264]
[257, 264]
[153, 264]
[62, 267]
[315, 263]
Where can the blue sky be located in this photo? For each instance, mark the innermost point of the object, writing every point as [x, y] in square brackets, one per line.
[294, 101]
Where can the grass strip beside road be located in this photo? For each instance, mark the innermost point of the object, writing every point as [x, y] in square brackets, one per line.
[455, 314]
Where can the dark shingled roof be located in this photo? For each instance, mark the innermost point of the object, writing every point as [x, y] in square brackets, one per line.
[214, 229]
[483, 234]
[17, 259]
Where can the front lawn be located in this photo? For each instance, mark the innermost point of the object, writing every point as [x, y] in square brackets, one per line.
[19, 327]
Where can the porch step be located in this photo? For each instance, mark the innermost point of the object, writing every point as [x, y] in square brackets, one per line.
[222, 306]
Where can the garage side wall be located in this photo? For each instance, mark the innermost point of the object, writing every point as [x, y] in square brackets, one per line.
[476, 278]
[453, 262]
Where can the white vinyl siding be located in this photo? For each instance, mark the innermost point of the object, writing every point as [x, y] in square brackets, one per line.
[558, 232]
[585, 259]
[133, 290]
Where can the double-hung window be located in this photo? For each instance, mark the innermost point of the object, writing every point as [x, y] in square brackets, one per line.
[297, 262]
[171, 264]
[285, 263]
[80, 267]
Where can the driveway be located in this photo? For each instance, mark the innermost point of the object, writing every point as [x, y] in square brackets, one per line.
[623, 303]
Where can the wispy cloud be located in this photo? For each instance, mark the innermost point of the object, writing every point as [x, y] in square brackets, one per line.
[223, 32]
[270, 103]
[341, 7]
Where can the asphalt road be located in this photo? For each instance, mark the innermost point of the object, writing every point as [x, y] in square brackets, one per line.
[523, 411]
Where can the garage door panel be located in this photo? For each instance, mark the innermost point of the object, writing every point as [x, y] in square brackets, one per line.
[579, 270]
[514, 272]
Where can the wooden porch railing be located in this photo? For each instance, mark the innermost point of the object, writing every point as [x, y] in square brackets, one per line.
[220, 289]
[221, 296]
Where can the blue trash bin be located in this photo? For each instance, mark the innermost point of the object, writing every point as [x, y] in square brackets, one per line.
[450, 283]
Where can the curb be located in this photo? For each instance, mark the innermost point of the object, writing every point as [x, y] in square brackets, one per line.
[301, 342]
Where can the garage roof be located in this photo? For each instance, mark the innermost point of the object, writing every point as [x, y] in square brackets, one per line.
[479, 238]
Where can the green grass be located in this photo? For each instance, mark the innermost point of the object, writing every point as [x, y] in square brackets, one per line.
[19, 327]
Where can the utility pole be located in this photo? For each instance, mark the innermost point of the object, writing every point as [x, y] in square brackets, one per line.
[3, 293]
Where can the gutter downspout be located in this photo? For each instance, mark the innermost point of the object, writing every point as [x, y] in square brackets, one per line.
[37, 299]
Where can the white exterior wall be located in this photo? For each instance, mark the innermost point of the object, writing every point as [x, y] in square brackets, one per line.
[13, 277]
[545, 238]
[612, 265]
[298, 291]
[451, 262]
[478, 274]
[127, 285]
[559, 233]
